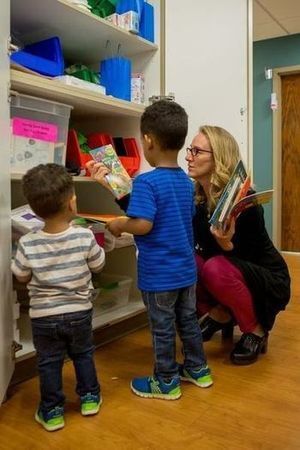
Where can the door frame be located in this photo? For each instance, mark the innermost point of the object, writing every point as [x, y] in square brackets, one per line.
[277, 152]
[250, 153]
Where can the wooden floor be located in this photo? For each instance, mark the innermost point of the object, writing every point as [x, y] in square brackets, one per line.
[255, 407]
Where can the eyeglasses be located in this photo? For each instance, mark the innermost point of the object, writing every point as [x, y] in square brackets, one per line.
[195, 151]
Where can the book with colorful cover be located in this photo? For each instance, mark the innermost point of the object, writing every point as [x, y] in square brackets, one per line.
[257, 198]
[234, 198]
[229, 195]
[118, 178]
[244, 189]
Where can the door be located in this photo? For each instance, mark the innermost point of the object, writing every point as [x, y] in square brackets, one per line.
[6, 321]
[290, 218]
[206, 64]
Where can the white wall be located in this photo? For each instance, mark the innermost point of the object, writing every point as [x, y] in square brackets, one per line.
[207, 64]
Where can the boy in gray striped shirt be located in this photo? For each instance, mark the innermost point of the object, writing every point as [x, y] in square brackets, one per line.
[57, 262]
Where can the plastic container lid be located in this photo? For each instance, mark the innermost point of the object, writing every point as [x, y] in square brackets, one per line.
[40, 104]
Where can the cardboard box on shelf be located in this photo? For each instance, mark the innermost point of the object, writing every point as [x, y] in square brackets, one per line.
[138, 88]
[113, 18]
[129, 21]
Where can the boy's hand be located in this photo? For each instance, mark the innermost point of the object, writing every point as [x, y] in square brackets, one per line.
[116, 226]
[224, 237]
[23, 279]
[98, 172]
[130, 225]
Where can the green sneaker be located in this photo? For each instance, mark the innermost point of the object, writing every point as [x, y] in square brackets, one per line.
[152, 387]
[201, 378]
[52, 420]
[90, 404]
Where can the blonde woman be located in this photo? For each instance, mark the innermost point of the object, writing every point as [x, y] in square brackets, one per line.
[242, 278]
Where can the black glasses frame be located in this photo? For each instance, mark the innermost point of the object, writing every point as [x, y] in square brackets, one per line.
[194, 151]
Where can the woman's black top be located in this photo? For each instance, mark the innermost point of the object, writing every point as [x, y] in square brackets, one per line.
[263, 267]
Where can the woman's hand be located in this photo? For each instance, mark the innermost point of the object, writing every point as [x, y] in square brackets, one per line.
[98, 172]
[224, 237]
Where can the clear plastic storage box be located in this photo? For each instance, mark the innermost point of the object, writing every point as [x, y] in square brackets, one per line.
[39, 130]
[111, 292]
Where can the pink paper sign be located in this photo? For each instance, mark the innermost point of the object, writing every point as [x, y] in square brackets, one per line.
[33, 129]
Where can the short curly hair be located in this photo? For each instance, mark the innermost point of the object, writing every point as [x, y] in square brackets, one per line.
[47, 188]
[167, 121]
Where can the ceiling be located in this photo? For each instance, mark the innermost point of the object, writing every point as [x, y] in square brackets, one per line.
[274, 18]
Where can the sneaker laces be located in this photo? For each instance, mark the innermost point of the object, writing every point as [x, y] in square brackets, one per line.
[158, 386]
[89, 398]
[154, 385]
[55, 412]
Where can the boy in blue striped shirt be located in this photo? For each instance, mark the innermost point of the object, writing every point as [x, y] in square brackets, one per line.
[56, 264]
[159, 214]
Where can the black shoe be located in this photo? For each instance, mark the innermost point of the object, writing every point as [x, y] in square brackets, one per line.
[248, 348]
[210, 326]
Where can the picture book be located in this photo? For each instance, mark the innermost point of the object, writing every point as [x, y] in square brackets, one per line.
[118, 179]
[234, 198]
[257, 198]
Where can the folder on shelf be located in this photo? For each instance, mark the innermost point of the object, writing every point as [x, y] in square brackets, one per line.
[110, 242]
[24, 220]
[104, 218]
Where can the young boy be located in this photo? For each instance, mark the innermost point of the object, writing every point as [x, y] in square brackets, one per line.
[56, 263]
[160, 215]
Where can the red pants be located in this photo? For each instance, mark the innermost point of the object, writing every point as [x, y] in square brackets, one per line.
[221, 282]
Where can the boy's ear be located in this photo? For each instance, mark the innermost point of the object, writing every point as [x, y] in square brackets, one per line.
[148, 139]
[72, 204]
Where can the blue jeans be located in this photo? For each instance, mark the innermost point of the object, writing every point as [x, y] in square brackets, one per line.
[166, 311]
[53, 338]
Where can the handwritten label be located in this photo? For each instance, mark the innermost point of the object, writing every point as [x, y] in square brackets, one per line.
[43, 131]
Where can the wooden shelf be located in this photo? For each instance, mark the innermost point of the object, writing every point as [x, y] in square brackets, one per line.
[86, 103]
[19, 176]
[83, 34]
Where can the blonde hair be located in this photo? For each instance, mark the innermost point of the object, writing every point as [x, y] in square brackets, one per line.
[226, 155]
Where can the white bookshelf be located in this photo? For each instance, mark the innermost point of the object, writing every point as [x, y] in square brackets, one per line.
[103, 319]
[84, 39]
[25, 337]
[85, 103]
[100, 320]
[83, 34]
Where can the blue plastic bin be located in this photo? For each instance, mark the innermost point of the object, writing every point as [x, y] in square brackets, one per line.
[147, 22]
[115, 75]
[130, 5]
[44, 57]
